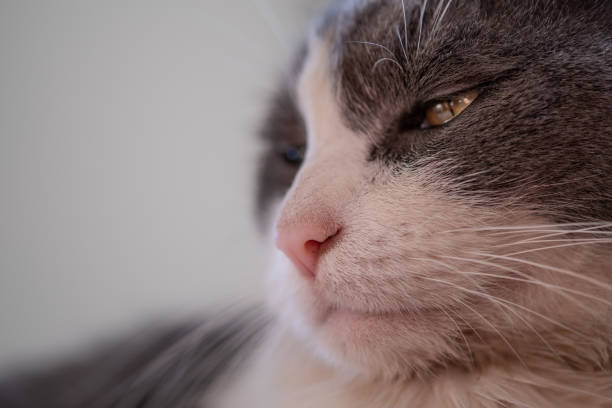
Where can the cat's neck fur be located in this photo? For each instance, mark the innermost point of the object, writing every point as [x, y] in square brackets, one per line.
[283, 373]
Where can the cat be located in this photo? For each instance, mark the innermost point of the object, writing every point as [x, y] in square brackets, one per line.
[438, 180]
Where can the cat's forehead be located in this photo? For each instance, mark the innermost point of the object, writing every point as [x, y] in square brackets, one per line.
[384, 56]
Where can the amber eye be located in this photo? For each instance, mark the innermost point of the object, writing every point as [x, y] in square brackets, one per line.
[442, 112]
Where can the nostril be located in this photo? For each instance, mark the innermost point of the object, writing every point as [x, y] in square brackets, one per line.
[302, 245]
[331, 236]
[312, 247]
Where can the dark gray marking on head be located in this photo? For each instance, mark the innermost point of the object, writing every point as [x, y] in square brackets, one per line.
[282, 129]
[541, 128]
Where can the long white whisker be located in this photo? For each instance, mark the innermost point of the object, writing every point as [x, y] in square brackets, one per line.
[525, 277]
[447, 266]
[423, 7]
[437, 14]
[467, 324]
[595, 282]
[600, 241]
[544, 241]
[552, 384]
[405, 29]
[548, 319]
[503, 307]
[402, 46]
[543, 284]
[546, 343]
[442, 16]
[554, 233]
[530, 326]
[528, 227]
[505, 340]
[467, 344]
[549, 233]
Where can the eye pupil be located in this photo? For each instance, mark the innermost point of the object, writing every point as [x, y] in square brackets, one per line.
[440, 107]
[442, 112]
[294, 155]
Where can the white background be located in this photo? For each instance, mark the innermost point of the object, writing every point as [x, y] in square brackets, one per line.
[127, 158]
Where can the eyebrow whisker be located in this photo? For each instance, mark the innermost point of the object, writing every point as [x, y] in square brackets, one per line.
[373, 44]
[386, 59]
[423, 7]
[405, 27]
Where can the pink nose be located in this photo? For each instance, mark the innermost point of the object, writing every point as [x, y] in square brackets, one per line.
[302, 244]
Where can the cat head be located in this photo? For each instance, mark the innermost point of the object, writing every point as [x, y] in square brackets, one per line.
[439, 178]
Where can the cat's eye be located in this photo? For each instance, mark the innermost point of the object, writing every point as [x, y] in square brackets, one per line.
[444, 111]
[294, 154]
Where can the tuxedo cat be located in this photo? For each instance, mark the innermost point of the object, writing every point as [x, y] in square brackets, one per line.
[438, 182]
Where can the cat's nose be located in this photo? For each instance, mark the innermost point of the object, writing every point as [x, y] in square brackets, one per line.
[302, 244]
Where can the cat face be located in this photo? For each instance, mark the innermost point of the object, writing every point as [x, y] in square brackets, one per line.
[439, 175]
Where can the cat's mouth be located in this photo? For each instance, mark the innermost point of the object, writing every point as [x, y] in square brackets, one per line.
[351, 318]
[336, 314]
[330, 308]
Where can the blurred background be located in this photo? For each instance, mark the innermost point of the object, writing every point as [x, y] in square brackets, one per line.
[127, 162]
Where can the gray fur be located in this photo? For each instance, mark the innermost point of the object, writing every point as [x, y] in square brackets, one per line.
[541, 128]
[173, 367]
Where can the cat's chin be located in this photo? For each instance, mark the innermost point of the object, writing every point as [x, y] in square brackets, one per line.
[392, 344]
[379, 345]
[388, 343]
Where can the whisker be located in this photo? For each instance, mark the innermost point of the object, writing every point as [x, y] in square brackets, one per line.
[589, 230]
[402, 46]
[544, 241]
[488, 296]
[386, 59]
[550, 233]
[442, 16]
[447, 266]
[499, 333]
[531, 279]
[563, 387]
[405, 29]
[530, 227]
[423, 7]
[468, 324]
[503, 306]
[437, 14]
[593, 281]
[465, 340]
[543, 284]
[530, 326]
[601, 241]
[373, 44]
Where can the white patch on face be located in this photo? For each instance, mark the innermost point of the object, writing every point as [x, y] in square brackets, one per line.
[412, 279]
[333, 152]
